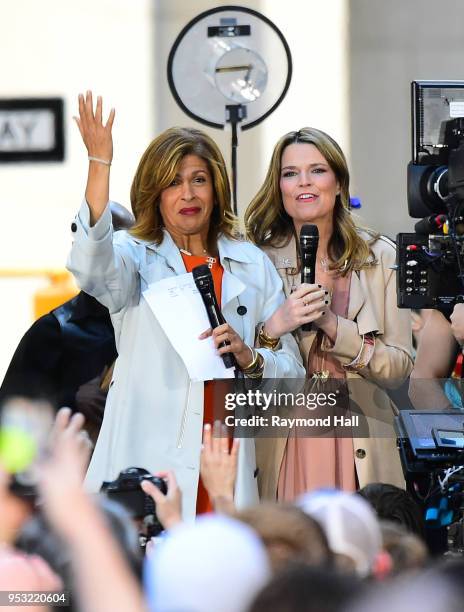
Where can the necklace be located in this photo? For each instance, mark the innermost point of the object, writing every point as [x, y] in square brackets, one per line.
[209, 260]
[320, 374]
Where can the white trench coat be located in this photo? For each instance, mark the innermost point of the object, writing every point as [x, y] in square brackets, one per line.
[154, 413]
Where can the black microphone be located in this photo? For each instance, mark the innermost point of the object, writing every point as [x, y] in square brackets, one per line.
[204, 282]
[309, 240]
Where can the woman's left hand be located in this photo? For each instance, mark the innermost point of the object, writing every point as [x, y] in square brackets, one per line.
[235, 345]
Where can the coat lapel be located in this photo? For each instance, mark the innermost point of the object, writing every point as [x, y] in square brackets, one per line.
[357, 297]
[168, 251]
[171, 253]
[231, 251]
[361, 307]
[231, 287]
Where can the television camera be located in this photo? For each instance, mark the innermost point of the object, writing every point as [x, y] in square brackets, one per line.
[430, 262]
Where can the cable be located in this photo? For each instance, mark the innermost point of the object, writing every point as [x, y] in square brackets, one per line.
[447, 475]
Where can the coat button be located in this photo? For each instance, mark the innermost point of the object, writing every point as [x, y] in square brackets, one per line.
[360, 453]
[242, 310]
[73, 227]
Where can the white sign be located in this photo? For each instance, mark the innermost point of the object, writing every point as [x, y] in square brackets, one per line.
[27, 130]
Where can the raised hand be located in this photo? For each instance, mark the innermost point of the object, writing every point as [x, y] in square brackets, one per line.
[96, 136]
[99, 142]
[62, 472]
[218, 466]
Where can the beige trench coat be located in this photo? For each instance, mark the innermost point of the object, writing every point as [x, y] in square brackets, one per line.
[372, 308]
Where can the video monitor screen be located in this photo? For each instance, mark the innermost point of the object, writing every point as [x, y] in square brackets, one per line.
[450, 438]
[433, 104]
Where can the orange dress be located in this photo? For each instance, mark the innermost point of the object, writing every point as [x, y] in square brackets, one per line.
[217, 271]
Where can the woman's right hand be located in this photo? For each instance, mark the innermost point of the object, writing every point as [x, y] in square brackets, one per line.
[304, 305]
[99, 143]
[96, 136]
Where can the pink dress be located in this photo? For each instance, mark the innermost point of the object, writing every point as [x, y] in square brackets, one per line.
[315, 462]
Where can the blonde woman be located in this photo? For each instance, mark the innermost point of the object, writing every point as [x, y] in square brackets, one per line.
[357, 334]
[181, 202]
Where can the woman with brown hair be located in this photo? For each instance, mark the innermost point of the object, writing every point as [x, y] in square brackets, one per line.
[181, 202]
[357, 330]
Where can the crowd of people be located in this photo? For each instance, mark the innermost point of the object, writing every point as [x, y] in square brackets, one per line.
[287, 523]
[328, 551]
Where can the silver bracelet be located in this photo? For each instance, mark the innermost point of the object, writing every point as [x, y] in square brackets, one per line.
[99, 160]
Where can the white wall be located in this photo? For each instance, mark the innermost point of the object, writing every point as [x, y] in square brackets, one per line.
[318, 95]
[56, 48]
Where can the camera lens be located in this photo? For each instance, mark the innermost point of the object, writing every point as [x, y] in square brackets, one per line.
[438, 183]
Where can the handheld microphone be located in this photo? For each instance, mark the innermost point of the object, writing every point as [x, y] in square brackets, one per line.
[309, 240]
[204, 282]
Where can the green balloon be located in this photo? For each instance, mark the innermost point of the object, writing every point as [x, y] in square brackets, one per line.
[17, 449]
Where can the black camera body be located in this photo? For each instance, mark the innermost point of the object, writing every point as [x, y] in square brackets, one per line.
[425, 280]
[430, 262]
[127, 491]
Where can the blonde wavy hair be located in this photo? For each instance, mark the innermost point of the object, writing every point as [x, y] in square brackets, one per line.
[156, 171]
[268, 223]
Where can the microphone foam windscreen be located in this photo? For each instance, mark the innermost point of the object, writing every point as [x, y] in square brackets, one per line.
[308, 229]
[201, 271]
